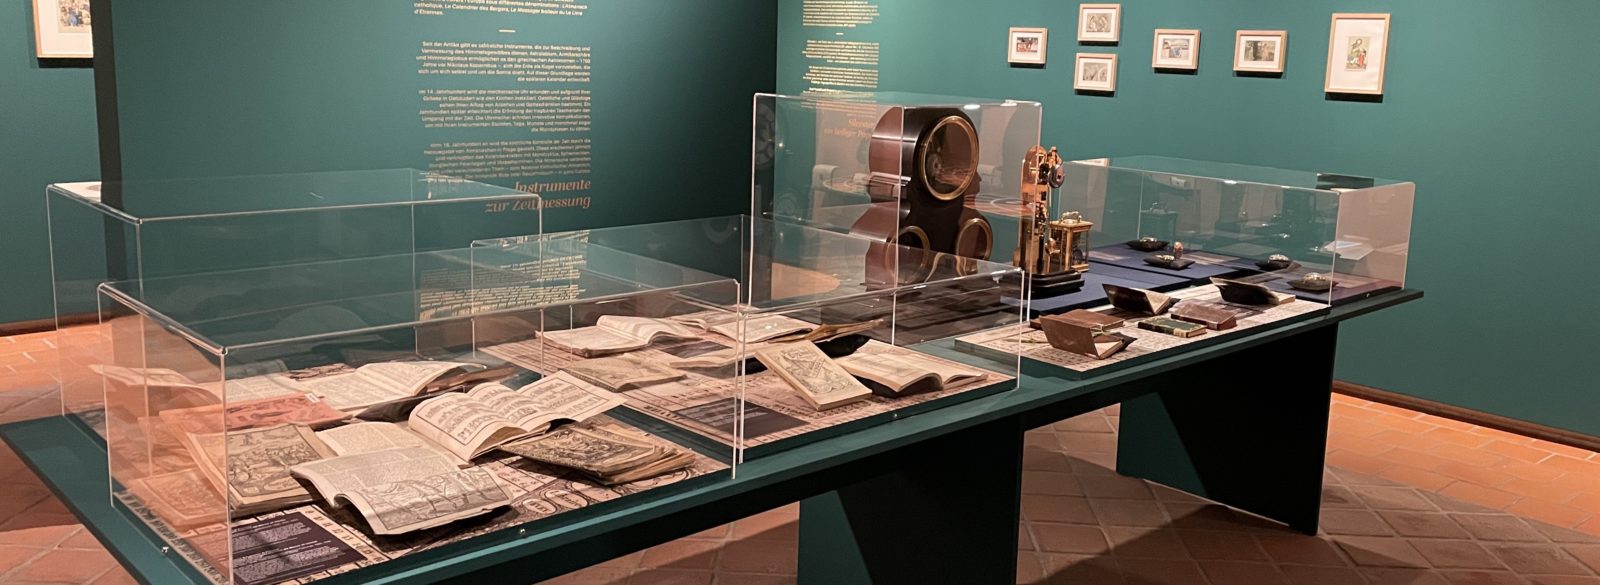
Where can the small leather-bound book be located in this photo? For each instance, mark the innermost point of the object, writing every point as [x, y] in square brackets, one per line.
[1071, 336]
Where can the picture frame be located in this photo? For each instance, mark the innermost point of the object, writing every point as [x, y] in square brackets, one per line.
[1095, 72]
[1176, 49]
[1358, 50]
[1027, 45]
[1260, 51]
[62, 29]
[1099, 23]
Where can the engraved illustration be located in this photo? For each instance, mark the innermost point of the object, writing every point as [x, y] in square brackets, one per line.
[1097, 22]
[1097, 72]
[1356, 57]
[410, 502]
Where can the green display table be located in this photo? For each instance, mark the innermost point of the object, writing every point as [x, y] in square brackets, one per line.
[933, 498]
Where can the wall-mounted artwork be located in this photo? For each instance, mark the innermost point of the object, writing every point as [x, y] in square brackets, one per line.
[62, 29]
[1176, 49]
[1095, 72]
[1099, 23]
[1026, 46]
[1260, 51]
[1358, 46]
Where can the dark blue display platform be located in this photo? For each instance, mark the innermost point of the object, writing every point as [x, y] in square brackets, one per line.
[1093, 293]
[1206, 264]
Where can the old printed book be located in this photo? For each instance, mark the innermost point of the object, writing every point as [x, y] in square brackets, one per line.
[813, 374]
[621, 373]
[376, 383]
[610, 457]
[252, 466]
[617, 334]
[300, 409]
[1074, 336]
[405, 489]
[473, 423]
[904, 372]
[1138, 300]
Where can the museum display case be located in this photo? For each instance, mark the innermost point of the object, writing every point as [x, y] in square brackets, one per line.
[938, 174]
[831, 331]
[289, 423]
[1322, 237]
[133, 231]
[1185, 254]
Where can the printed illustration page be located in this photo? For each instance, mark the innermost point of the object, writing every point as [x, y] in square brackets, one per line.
[593, 340]
[368, 437]
[464, 426]
[563, 397]
[352, 391]
[406, 489]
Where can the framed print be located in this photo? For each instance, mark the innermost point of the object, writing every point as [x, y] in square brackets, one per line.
[1176, 49]
[1358, 46]
[1026, 46]
[61, 29]
[1095, 72]
[1099, 23]
[1260, 50]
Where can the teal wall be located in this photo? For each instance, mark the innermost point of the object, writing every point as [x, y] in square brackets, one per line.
[47, 135]
[1491, 107]
[215, 89]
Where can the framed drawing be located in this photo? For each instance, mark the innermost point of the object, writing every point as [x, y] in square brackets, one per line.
[1260, 50]
[1358, 47]
[1026, 46]
[1095, 72]
[61, 29]
[1176, 49]
[1099, 23]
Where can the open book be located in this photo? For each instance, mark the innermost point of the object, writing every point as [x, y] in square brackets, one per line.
[621, 373]
[300, 409]
[1246, 293]
[367, 437]
[257, 463]
[616, 334]
[808, 370]
[473, 423]
[405, 489]
[1138, 300]
[1072, 336]
[378, 383]
[769, 327]
[169, 389]
[905, 373]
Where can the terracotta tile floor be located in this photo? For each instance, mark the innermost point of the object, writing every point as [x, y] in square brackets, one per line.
[1410, 499]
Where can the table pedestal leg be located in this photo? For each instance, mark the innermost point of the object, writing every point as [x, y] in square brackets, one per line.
[1249, 429]
[944, 512]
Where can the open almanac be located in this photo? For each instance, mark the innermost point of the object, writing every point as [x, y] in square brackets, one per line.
[470, 424]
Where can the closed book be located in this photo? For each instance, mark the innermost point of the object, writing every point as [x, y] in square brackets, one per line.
[1172, 327]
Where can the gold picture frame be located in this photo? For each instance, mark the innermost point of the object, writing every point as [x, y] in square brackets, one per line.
[1260, 51]
[1095, 72]
[1019, 51]
[62, 29]
[1099, 23]
[1176, 48]
[1358, 53]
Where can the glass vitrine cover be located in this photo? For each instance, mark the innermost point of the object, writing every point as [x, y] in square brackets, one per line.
[872, 326]
[1322, 237]
[935, 174]
[131, 231]
[299, 421]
